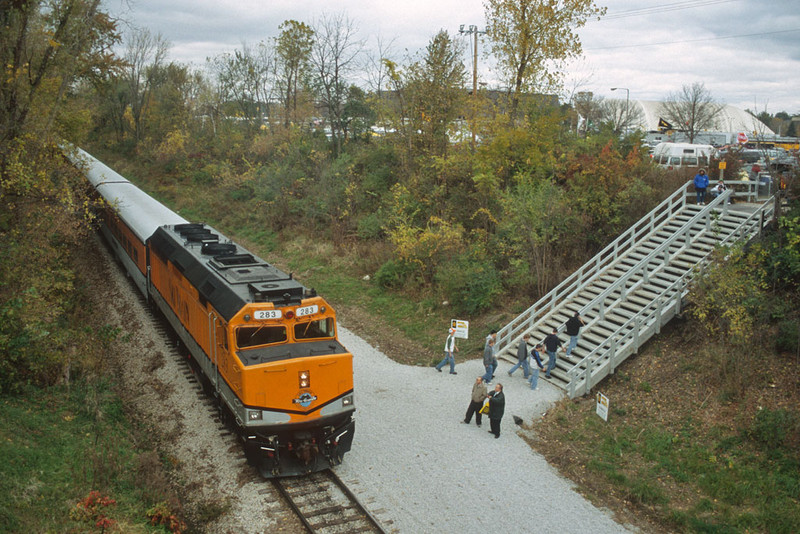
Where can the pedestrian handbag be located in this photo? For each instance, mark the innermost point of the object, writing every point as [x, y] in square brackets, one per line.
[485, 408]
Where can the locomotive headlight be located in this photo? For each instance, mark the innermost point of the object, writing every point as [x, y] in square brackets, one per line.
[304, 377]
[347, 401]
[254, 415]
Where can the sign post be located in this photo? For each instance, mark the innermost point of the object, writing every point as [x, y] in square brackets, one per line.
[602, 406]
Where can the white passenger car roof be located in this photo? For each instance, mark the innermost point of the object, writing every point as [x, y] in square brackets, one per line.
[142, 213]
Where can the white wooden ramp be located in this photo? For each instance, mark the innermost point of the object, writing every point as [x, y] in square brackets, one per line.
[629, 290]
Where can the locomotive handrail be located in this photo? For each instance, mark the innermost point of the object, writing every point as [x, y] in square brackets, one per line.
[512, 332]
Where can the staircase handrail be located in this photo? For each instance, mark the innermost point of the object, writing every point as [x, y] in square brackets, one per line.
[510, 333]
[761, 213]
[643, 263]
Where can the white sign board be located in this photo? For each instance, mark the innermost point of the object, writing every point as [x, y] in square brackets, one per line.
[462, 328]
[602, 406]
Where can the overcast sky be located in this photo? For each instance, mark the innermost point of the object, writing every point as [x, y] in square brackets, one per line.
[747, 52]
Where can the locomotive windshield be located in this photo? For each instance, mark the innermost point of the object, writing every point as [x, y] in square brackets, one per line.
[255, 336]
[322, 328]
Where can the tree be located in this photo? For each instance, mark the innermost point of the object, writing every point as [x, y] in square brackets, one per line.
[589, 110]
[244, 79]
[45, 47]
[692, 110]
[532, 39]
[293, 48]
[536, 223]
[333, 57]
[435, 92]
[144, 56]
[622, 115]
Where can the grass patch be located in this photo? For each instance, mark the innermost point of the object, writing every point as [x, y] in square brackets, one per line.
[56, 447]
[661, 457]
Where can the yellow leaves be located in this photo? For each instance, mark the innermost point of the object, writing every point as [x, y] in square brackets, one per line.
[725, 297]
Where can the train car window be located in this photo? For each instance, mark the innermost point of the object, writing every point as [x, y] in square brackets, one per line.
[689, 160]
[254, 336]
[314, 329]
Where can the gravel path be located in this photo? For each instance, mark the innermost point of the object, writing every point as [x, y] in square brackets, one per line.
[415, 463]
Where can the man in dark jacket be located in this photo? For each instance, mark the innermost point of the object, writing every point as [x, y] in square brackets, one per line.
[551, 345]
[488, 357]
[522, 357]
[497, 406]
[573, 329]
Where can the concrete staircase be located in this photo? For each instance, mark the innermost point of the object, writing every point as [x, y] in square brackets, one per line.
[629, 290]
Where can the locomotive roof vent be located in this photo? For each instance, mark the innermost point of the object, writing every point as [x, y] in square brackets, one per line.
[198, 236]
[235, 260]
[180, 228]
[217, 249]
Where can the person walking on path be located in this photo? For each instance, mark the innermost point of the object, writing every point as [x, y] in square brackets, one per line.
[700, 185]
[488, 356]
[449, 348]
[476, 401]
[522, 357]
[492, 335]
[497, 406]
[573, 328]
[551, 345]
[534, 379]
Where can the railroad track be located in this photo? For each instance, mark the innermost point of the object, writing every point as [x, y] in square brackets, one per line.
[325, 505]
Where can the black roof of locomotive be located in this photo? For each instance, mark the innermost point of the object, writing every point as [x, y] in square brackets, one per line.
[225, 274]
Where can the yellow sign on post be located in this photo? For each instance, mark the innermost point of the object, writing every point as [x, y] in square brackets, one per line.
[602, 406]
[723, 165]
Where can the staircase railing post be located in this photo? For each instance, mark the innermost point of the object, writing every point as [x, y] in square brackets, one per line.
[659, 307]
[587, 376]
[613, 355]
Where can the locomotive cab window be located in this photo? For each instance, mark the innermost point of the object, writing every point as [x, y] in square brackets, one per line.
[254, 336]
[322, 328]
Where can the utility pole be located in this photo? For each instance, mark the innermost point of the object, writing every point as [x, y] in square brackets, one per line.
[473, 30]
[627, 99]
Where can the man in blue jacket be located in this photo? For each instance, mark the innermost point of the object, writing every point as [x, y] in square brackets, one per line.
[700, 185]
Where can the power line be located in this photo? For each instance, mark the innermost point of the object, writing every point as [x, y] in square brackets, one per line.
[694, 40]
[653, 10]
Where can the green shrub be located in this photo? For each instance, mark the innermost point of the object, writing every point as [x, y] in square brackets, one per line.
[771, 427]
[394, 273]
[370, 226]
[470, 286]
[202, 177]
[788, 337]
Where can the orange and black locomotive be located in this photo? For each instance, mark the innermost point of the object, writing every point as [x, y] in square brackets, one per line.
[267, 345]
